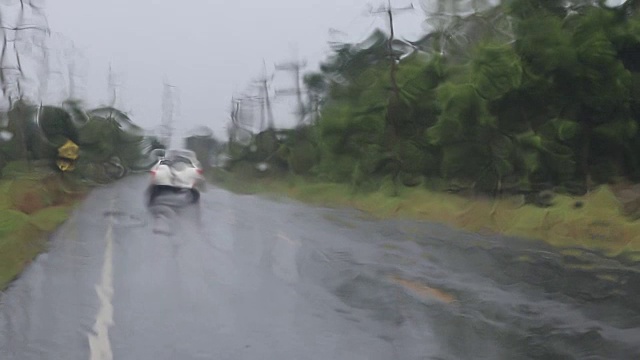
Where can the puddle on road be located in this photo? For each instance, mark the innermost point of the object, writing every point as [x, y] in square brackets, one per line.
[423, 291]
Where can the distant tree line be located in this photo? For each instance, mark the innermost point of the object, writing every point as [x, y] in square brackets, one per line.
[108, 144]
[524, 96]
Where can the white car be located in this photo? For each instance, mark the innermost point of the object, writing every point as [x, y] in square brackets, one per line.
[177, 171]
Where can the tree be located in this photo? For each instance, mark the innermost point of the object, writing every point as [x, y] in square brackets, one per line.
[523, 96]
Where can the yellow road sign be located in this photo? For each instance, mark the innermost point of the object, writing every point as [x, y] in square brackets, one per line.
[65, 164]
[69, 150]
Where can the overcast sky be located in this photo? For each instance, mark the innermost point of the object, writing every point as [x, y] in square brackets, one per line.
[208, 49]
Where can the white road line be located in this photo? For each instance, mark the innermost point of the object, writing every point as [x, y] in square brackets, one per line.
[99, 343]
[284, 257]
[284, 237]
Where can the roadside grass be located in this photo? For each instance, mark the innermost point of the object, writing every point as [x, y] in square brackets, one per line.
[33, 203]
[597, 225]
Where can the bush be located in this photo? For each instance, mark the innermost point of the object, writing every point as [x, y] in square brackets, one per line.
[11, 220]
[302, 157]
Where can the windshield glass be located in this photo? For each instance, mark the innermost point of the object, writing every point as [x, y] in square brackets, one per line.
[320, 179]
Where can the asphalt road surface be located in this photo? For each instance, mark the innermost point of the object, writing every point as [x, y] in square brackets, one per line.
[246, 277]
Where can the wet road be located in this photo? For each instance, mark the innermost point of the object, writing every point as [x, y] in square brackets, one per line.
[244, 277]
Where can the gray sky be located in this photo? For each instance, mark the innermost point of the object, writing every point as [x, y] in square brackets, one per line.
[208, 49]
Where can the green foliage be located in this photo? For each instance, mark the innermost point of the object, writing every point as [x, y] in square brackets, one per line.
[544, 46]
[337, 168]
[109, 136]
[464, 113]
[106, 137]
[302, 157]
[526, 95]
[48, 219]
[11, 220]
[57, 126]
[265, 145]
[496, 71]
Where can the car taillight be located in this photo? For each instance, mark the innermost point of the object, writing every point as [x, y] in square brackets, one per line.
[200, 171]
[153, 172]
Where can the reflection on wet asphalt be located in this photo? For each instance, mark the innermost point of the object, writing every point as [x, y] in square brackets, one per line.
[242, 277]
[165, 211]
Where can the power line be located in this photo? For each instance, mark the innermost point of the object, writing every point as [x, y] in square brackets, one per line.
[266, 114]
[294, 67]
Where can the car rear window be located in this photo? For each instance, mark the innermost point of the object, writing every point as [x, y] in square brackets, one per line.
[171, 161]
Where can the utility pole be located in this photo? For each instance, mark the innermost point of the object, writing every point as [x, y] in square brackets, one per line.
[262, 95]
[15, 30]
[265, 102]
[232, 128]
[74, 73]
[168, 111]
[112, 90]
[235, 108]
[294, 67]
[389, 11]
